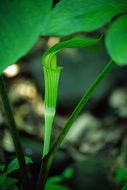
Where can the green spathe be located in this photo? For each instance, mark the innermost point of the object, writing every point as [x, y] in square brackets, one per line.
[52, 75]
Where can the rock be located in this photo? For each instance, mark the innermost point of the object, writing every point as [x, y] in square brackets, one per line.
[81, 126]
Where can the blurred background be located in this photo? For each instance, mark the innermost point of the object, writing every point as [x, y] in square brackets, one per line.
[96, 144]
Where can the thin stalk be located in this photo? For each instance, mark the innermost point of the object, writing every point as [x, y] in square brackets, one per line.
[14, 134]
[44, 170]
[80, 106]
[46, 163]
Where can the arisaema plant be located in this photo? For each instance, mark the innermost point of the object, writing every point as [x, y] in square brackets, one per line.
[37, 18]
[52, 75]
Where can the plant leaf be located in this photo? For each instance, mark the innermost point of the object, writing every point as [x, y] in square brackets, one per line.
[121, 174]
[55, 187]
[116, 40]
[2, 166]
[21, 23]
[6, 181]
[124, 187]
[15, 166]
[12, 187]
[55, 179]
[81, 15]
[68, 173]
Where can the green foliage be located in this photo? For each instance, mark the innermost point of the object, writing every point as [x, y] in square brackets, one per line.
[124, 187]
[68, 173]
[21, 23]
[25, 20]
[121, 174]
[12, 187]
[1, 166]
[53, 182]
[81, 15]
[7, 183]
[15, 166]
[55, 187]
[121, 177]
[116, 40]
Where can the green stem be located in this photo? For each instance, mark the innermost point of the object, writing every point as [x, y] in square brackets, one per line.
[80, 106]
[14, 134]
[49, 116]
[44, 170]
[46, 163]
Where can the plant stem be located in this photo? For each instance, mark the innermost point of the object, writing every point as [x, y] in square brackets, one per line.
[46, 162]
[80, 106]
[49, 116]
[14, 134]
[44, 170]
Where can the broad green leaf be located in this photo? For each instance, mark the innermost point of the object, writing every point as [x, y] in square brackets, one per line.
[21, 22]
[6, 181]
[70, 16]
[15, 166]
[116, 40]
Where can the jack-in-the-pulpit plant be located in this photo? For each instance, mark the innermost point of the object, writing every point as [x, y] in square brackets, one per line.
[52, 75]
[21, 24]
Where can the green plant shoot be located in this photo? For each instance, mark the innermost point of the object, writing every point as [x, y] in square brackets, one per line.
[52, 75]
